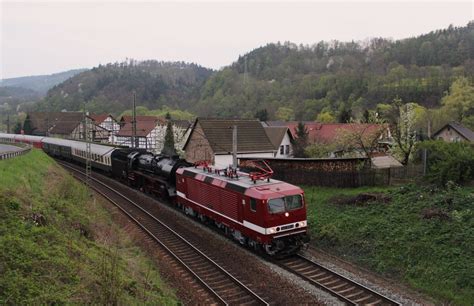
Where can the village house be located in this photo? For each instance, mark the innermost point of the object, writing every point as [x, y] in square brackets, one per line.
[281, 139]
[329, 133]
[107, 122]
[211, 140]
[68, 125]
[147, 130]
[151, 131]
[454, 132]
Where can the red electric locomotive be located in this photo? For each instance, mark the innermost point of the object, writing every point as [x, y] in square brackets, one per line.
[257, 211]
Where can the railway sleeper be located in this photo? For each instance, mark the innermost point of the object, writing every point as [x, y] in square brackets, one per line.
[298, 265]
[376, 302]
[322, 280]
[364, 298]
[353, 295]
[315, 276]
[341, 286]
[306, 270]
[335, 281]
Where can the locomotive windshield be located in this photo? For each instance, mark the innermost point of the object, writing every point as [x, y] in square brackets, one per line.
[279, 205]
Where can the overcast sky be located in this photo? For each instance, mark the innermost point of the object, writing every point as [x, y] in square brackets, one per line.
[47, 37]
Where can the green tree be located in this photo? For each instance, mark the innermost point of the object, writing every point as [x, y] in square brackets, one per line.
[460, 101]
[168, 147]
[319, 150]
[285, 113]
[262, 114]
[449, 161]
[344, 116]
[17, 128]
[366, 116]
[27, 128]
[301, 141]
[325, 117]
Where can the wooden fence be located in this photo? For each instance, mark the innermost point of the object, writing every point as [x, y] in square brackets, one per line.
[350, 177]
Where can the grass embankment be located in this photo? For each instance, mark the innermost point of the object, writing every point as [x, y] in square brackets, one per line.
[423, 236]
[59, 246]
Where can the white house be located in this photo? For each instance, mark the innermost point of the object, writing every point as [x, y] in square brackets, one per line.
[281, 139]
[151, 132]
[107, 122]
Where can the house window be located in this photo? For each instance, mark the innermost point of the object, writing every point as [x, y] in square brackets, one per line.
[287, 149]
[253, 204]
[282, 149]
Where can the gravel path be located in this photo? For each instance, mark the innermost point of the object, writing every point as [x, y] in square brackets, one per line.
[395, 291]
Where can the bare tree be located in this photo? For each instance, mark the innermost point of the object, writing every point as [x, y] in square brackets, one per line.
[361, 138]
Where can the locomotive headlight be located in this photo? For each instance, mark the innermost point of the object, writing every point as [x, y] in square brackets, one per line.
[271, 230]
[302, 223]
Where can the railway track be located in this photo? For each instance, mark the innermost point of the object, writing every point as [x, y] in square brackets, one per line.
[348, 291]
[220, 285]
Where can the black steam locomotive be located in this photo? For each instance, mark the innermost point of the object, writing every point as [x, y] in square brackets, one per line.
[154, 174]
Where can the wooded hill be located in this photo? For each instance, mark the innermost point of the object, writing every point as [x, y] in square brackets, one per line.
[299, 82]
[289, 81]
[110, 88]
[23, 92]
[40, 84]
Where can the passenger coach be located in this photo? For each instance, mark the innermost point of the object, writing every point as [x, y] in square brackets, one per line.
[35, 141]
[77, 151]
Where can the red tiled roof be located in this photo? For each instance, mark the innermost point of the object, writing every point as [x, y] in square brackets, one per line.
[99, 118]
[143, 128]
[327, 132]
[128, 119]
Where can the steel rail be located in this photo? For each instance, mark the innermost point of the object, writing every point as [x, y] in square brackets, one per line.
[258, 299]
[339, 286]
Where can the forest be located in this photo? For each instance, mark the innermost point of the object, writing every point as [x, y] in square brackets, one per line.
[335, 81]
[327, 82]
[112, 86]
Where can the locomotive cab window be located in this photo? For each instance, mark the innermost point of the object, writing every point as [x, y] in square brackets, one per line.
[293, 202]
[276, 206]
[279, 205]
[253, 204]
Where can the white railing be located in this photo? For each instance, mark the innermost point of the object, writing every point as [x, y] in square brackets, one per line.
[7, 155]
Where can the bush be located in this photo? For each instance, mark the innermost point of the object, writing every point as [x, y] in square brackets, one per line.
[423, 237]
[449, 161]
[319, 151]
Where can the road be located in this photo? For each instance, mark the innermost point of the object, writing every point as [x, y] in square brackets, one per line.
[8, 148]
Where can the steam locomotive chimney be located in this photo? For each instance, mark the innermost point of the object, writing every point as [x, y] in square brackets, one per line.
[234, 147]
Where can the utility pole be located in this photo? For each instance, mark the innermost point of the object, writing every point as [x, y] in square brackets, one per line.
[46, 133]
[425, 153]
[8, 123]
[134, 122]
[245, 71]
[87, 139]
[234, 147]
